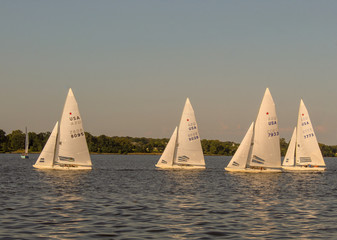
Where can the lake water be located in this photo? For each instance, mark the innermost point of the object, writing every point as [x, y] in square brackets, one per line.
[125, 197]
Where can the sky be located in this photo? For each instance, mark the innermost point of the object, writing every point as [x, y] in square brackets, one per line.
[132, 64]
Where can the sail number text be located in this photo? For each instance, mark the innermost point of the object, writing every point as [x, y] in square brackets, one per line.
[273, 133]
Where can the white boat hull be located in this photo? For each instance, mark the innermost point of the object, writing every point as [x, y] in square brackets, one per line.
[254, 170]
[303, 169]
[63, 167]
[182, 167]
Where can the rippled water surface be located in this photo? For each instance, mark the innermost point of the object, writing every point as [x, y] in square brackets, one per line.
[125, 197]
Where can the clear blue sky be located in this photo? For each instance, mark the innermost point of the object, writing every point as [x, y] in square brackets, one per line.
[131, 64]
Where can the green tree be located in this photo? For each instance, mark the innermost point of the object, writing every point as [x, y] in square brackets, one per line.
[3, 141]
[16, 140]
[124, 145]
[92, 142]
[284, 146]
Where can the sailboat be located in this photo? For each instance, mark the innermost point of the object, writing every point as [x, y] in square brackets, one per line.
[183, 150]
[303, 152]
[259, 150]
[66, 148]
[25, 154]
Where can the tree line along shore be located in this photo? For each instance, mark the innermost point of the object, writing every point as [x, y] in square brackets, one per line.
[14, 142]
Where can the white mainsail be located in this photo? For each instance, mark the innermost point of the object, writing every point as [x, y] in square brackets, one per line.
[49, 153]
[189, 150]
[266, 144]
[184, 147]
[166, 158]
[239, 160]
[73, 147]
[307, 148]
[289, 159]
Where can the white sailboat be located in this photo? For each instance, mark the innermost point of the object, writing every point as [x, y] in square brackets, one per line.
[259, 150]
[183, 150]
[303, 153]
[66, 148]
[25, 154]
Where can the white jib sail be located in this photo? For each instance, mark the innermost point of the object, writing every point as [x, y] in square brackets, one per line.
[26, 142]
[266, 147]
[307, 148]
[240, 158]
[46, 158]
[289, 159]
[189, 150]
[166, 158]
[73, 147]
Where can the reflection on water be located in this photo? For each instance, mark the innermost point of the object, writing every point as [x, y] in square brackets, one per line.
[62, 203]
[125, 197]
[179, 189]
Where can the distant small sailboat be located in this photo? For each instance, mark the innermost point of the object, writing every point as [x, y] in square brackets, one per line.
[259, 150]
[303, 152]
[184, 150]
[25, 154]
[66, 148]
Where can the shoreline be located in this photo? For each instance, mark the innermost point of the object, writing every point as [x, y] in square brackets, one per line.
[94, 153]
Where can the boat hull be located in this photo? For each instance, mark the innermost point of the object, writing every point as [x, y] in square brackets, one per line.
[303, 169]
[253, 170]
[182, 167]
[63, 167]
